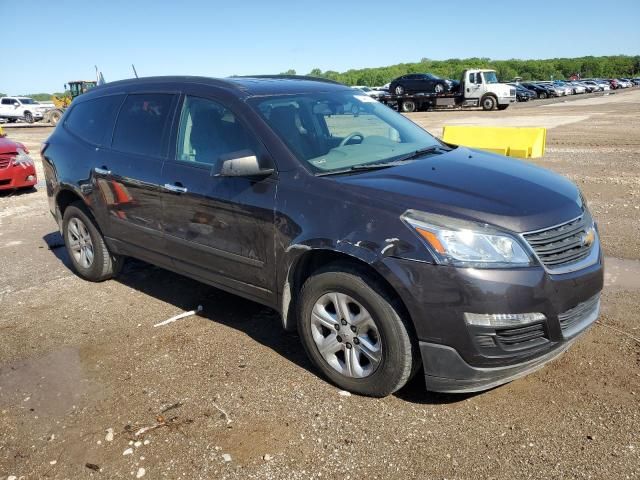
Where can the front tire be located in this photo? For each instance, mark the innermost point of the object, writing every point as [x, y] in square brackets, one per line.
[439, 88]
[54, 117]
[399, 90]
[353, 333]
[489, 103]
[89, 254]
[542, 95]
[28, 117]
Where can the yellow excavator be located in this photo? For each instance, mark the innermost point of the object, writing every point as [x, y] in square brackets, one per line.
[74, 89]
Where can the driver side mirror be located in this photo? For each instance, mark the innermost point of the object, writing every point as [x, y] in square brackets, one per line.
[16, 104]
[242, 164]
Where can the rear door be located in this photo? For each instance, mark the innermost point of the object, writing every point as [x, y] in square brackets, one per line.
[219, 229]
[129, 173]
[7, 109]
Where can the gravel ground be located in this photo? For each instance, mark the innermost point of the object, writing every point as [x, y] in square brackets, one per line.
[227, 394]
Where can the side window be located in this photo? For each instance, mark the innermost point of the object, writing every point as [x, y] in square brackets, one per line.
[93, 120]
[472, 78]
[209, 131]
[6, 101]
[479, 77]
[141, 124]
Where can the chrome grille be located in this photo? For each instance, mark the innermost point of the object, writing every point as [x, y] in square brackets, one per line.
[580, 312]
[563, 244]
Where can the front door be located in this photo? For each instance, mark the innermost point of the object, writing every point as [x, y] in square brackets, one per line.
[218, 229]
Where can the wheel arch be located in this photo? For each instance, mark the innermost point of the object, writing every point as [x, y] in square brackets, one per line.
[311, 260]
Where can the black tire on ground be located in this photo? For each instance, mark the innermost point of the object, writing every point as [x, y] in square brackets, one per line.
[439, 88]
[408, 106]
[504, 107]
[54, 117]
[399, 352]
[28, 117]
[12, 120]
[398, 90]
[542, 95]
[488, 102]
[104, 265]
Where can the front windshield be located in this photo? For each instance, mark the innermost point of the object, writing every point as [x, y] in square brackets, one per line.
[490, 77]
[336, 131]
[27, 101]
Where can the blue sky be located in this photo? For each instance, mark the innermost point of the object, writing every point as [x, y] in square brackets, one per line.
[47, 42]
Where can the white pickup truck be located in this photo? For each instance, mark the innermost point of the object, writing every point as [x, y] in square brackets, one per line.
[21, 108]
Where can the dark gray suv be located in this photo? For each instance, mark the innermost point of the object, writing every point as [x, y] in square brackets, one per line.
[389, 251]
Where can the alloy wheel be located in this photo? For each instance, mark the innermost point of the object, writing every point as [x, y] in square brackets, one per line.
[80, 243]
[346, 335]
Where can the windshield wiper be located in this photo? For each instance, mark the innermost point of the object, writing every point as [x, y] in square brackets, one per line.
[420, 153]
[380, 165]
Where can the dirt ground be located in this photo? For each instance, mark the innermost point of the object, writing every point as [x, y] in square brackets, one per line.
[82, 369]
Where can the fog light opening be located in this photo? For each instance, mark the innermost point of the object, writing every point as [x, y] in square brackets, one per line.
[502, 319]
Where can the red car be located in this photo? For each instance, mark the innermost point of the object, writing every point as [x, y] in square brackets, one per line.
[16, 166]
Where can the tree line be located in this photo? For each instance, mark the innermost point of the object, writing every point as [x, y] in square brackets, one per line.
[614, 66]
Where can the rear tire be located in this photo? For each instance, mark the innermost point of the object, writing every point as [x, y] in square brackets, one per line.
[379, 356]
[89, 254]
[408, 106]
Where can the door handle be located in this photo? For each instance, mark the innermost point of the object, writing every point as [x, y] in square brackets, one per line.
[175, 188]
[102, 171]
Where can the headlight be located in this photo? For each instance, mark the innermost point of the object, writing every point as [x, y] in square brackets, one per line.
[22, 159]
[466, 244]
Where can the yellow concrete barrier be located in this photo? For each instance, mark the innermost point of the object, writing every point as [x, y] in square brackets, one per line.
[1, 132]
[521, 142]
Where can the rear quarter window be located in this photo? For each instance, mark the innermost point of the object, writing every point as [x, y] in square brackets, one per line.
[142, 124]
[93, 120]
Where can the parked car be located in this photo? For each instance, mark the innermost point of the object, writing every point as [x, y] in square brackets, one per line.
[581, 85]
[21, 108]
[17, 170]
[523, 94]
[384, 247]
[595, 86]
[542, 90]
[418, 83]
[577, 87]
[369, 91]
[635, 81]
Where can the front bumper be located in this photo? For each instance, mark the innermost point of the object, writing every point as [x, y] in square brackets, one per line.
[506, 100]
[458, 357]
[17, 176]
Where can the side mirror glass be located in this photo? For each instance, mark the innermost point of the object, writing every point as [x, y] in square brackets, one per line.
[242, 164]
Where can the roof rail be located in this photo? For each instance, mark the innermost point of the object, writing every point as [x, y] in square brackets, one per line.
[291, 77]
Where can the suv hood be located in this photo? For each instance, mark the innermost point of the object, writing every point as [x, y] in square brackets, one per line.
[474, 185]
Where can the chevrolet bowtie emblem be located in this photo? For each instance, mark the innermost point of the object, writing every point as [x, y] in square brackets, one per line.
[588, 237]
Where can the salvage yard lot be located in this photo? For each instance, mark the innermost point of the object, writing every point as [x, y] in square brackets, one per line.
[78, 359]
